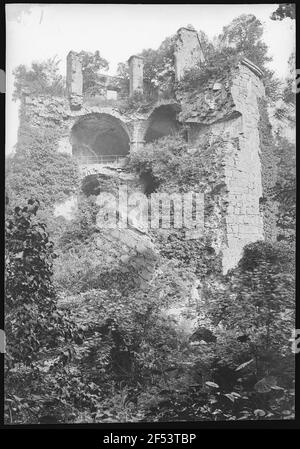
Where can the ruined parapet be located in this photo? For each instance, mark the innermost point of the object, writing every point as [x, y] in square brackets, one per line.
[136, 65]
[74, 80]
[188, 51]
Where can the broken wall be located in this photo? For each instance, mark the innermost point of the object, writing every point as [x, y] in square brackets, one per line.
[224, 117]
[188, 52]
[227, 109]
[74, 80]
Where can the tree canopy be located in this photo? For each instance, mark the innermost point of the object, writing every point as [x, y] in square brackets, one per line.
[92, 63]
[285, 10]
[42, 78]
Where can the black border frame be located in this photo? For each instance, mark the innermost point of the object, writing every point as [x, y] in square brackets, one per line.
[139, 429]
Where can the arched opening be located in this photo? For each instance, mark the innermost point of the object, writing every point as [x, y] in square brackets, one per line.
[99, 138]
[148, 182]
[162, 123]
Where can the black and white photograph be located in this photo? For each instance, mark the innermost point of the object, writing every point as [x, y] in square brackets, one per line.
[150, 214]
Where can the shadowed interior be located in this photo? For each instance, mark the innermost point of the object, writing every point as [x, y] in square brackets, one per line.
[99, 135]
[162, 123]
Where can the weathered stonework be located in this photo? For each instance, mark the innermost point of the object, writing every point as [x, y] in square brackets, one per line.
[243, 168]
[223, 122]
[74, 80]
[188, 51]
[228, 108]
[135, 74]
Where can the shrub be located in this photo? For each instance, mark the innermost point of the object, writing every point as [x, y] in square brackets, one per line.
[37, 332]
[253, 312]
[42, 78]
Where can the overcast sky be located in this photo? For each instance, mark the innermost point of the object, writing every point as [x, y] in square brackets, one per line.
[118, 31]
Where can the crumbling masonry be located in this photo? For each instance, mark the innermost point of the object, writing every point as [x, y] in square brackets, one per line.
[222, 122]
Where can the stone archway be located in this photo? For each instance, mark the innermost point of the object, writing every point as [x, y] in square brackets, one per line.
[162, 122]
[99, 137]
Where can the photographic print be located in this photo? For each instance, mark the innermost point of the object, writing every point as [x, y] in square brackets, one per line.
[150, 185]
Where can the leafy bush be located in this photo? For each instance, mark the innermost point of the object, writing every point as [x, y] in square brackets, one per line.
[253, 311]
[36, 330]
[159, 68]
[37, 170]
[93, 265]
[216, 64]
[42, 78]
[285, 191]
[246, 371]
[138, 101]
[91, 64]
[158, 72]
[169, 164]
[198, 254]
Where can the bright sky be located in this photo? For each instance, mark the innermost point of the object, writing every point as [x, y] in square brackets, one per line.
[118, 31]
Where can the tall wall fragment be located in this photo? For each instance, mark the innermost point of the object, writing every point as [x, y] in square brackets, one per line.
[244, 220]
[188, 52]
[226, 113]
[136, 66]
[74, 80]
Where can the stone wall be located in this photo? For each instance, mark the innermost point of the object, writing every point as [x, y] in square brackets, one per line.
[135, 74]
[224, 118]
[228, 109]
[188, 52]
[243, 168]
[74, 80]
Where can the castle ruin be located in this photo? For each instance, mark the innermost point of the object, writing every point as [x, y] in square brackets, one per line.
[227, 109]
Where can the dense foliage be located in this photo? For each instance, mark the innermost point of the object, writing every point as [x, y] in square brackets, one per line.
[38, 333]
[285, 191]
[244, 34]
[92, 64]
[38, 170]
[55, 174]
[242, 38]
[159, 67]
[158, 74]
[218, 61]
[283, 11]
[169, 164]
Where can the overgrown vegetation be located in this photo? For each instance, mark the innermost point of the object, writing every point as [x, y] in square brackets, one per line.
[158, 74]
[43, 78]
[242, 38]
[38, 333]
[92, 64]
[37, 170]
[124, 360]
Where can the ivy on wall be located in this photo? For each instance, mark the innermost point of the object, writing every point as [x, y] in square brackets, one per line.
[37, 169]
[268, 163]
